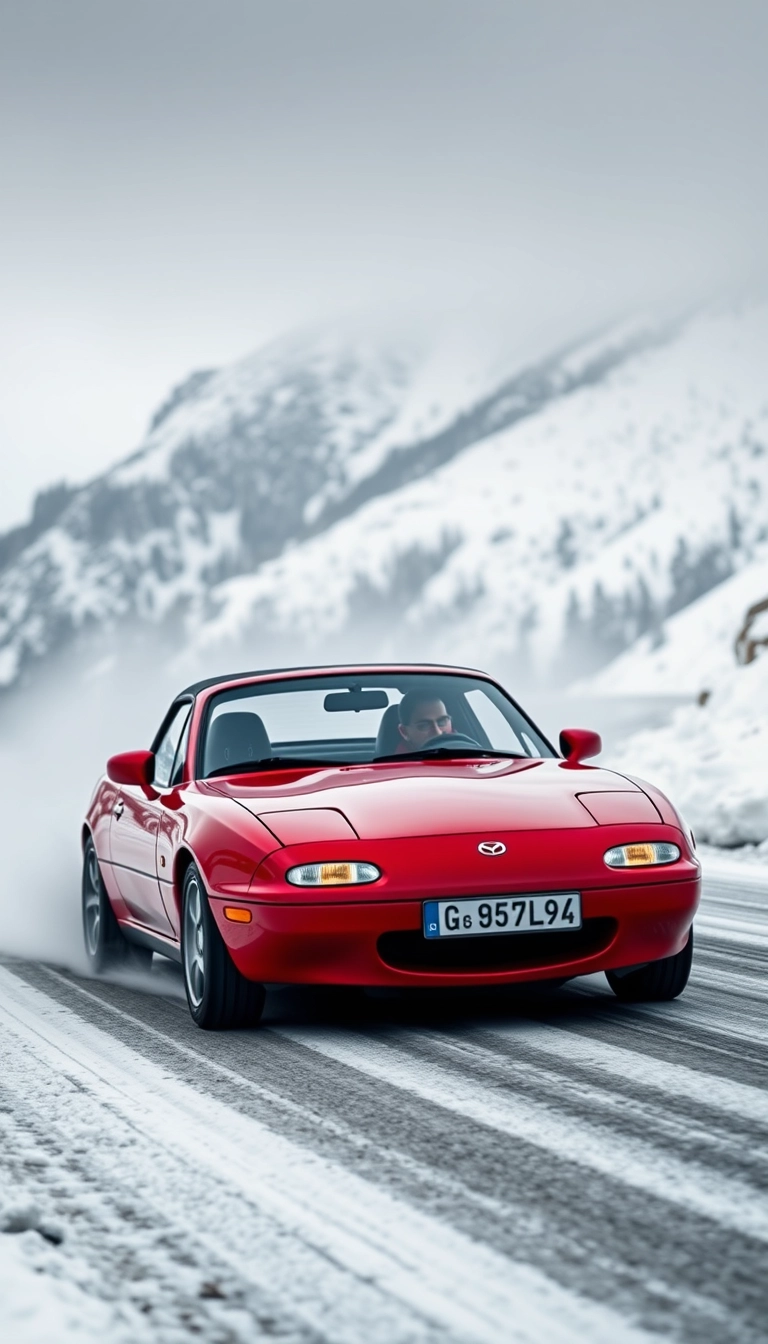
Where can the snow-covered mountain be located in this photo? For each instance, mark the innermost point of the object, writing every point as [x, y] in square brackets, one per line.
[562, 537]
[222, 479]
[241, 463]
[401, 493]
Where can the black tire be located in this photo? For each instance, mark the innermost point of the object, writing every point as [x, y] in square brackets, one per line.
[543, 989]
[219, 997]
[105, 946]
[659, 980]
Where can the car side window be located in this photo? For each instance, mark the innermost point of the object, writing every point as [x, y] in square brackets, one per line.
[181, 753]
[166, 751]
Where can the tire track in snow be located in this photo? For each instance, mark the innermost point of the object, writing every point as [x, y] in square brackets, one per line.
[601, 1217]
[348, 1258]
[676, 1083]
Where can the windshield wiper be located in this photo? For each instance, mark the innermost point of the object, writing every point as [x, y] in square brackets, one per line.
[269, 763]
[447, 752]
[312, 762]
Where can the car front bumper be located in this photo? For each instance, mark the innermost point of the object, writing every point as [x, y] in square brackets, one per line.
[375, 942]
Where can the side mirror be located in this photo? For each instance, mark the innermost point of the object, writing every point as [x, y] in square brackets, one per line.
[132, 767]
[578, 744]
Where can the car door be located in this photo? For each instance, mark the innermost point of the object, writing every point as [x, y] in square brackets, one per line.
[134, 830]
[171, 830]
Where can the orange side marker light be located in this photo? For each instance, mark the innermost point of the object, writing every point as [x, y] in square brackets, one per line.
[237, 914]
[639, 854]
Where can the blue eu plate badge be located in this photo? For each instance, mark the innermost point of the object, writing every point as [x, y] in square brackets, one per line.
[431, 919]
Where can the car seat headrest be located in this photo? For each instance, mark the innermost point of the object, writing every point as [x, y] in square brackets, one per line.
[234, 739]
[388, 738]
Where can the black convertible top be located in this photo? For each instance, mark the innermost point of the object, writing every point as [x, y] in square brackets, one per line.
[197, 686]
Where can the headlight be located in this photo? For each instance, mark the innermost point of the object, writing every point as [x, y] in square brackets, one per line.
[641, 856]
[333, 874]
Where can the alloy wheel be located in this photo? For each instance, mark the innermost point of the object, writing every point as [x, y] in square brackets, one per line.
[194, 943]
[92, 904]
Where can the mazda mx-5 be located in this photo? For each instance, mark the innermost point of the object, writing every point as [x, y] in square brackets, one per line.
[384, 825]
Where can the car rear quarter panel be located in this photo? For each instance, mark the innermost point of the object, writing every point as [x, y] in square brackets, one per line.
[99, 816]
[98, 820]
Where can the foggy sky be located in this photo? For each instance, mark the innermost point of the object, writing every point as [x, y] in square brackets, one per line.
[181, 180]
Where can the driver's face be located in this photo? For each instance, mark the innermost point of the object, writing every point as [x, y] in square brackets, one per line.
[429, 719]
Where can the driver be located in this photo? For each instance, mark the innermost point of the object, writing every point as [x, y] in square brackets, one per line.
[422, 716]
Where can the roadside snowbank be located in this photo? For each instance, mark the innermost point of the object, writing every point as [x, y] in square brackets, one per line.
[695, 649]
[747, 864]
[712, 759]
[38, 1304]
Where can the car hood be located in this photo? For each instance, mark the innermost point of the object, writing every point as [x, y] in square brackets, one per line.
[428, 798]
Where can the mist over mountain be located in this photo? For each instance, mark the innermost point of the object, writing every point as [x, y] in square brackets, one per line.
[394, 494]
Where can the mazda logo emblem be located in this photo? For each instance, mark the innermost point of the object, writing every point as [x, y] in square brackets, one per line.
[492, 847]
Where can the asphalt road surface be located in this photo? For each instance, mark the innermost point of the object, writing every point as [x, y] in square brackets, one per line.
[380, 1167]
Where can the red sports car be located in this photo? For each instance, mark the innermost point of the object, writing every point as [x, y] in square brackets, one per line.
[380, 825]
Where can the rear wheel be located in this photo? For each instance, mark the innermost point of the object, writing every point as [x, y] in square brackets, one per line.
[659, 980]
[105, 946]
[219, 997]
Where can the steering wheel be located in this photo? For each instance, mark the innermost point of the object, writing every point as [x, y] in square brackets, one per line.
[449, 740]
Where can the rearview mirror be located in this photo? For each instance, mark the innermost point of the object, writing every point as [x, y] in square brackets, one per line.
[132, 767]
[578, 744]
[337, 701]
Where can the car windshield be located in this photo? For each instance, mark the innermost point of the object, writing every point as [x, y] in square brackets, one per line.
[348, 719]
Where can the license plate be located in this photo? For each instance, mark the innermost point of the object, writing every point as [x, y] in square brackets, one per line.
[502, 914]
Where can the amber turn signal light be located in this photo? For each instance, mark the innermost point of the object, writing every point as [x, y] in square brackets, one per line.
[333, 874]
[237, 914]
[646, 855]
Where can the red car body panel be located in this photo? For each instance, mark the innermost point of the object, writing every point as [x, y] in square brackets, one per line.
[420, 823]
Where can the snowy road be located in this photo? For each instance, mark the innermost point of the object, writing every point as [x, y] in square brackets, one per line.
[391, 1169]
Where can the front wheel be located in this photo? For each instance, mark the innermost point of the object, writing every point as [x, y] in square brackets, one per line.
[219, 997]
[656, 982]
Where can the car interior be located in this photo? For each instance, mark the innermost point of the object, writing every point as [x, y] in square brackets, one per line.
[238, 736]
[235, 738]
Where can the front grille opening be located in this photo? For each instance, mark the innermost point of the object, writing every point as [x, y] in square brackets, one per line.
[409, 950]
